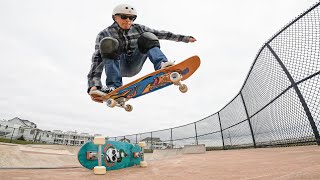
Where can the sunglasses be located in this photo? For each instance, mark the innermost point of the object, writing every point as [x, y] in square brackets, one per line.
[123, 16]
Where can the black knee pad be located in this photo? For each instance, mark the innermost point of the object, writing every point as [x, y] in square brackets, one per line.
[109, 48]
[147, 41]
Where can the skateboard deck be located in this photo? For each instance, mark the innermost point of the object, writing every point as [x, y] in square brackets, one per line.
[152, 82]
[114, 155]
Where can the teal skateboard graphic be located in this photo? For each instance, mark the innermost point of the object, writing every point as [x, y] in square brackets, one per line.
[101, 155]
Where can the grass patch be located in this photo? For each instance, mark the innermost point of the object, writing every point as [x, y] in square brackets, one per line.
[13, 141]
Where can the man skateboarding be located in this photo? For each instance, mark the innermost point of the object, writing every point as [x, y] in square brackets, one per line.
[122, 49]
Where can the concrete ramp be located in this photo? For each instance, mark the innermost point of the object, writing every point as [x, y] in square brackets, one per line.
[39, 156]
[44, 150]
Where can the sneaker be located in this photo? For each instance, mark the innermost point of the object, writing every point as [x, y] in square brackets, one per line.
[107, 90]
[103, 91]
[166, 64]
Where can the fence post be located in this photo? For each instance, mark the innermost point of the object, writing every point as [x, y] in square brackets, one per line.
[221, 131]
[151, 142]
[248, 118]
[195, 128]
[299, 94]
[171, 141]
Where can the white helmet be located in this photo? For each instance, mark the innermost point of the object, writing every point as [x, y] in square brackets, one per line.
[124, 9]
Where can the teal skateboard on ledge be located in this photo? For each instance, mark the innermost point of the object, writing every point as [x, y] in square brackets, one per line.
[102, 155]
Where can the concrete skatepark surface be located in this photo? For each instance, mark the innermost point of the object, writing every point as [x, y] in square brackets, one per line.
[60, 162]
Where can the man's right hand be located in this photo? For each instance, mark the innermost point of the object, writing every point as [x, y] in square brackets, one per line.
[95, 98]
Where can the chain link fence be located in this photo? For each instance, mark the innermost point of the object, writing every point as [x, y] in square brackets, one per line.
[278, 104]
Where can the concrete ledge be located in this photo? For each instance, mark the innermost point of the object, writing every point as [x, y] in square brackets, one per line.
[194, 149]
[164, 153]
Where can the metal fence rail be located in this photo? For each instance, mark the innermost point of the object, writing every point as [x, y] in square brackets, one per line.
[278, 104]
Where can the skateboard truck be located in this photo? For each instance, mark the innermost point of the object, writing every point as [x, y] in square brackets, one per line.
[99, 140]
[137, 155]
[120, 102]
[92, 155]
[176, 77]
[143, 163]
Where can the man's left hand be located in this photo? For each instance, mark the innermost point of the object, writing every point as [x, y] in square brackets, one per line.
[192, 39]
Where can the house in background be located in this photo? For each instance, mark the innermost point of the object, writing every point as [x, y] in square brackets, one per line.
[22, 122]
[6, 129]
[156, 143]
[17, 128]
[72, 138]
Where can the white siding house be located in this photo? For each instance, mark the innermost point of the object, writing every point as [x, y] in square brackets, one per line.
[17, 128]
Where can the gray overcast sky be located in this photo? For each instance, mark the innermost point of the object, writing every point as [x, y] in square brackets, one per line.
[46, 48]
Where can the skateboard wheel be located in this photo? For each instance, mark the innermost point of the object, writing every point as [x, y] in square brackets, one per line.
[175, 77]
[111, 103]
[128, 108]
[99, 170]
[143, 164]
[99, 140]
[183, 88]
[142, 144]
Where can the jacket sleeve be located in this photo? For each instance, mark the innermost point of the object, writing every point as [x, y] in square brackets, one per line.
[94, 76]
[167, 35]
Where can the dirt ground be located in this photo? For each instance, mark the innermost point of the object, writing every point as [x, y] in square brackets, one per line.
[301, 162]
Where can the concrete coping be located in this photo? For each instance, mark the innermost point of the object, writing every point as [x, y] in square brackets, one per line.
[194, 149]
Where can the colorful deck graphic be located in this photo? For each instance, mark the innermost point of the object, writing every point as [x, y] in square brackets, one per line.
[152, 82]
[115, 155]
[147, 85]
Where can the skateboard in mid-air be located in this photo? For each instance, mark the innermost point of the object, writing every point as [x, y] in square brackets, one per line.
[101, 155]
[152, 82]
